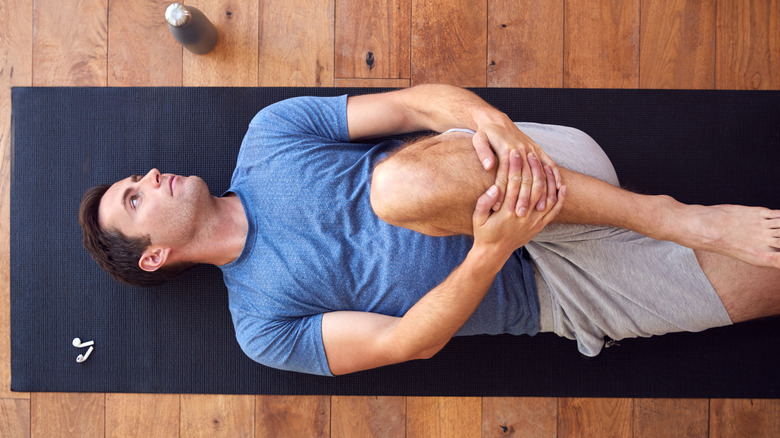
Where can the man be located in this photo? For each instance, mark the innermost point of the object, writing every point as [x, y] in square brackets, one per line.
[342, 256]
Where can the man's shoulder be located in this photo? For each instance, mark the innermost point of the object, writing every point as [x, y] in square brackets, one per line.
[299, 111]
[286, 343]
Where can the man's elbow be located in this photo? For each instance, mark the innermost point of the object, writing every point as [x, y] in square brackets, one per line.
[429, 352]
[412, 350]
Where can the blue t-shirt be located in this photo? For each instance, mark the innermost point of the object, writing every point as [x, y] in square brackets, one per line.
[315, 245]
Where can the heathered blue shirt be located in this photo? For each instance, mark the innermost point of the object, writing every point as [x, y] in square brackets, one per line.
[315, 245]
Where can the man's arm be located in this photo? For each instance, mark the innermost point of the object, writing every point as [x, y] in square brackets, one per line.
[431, 107]
[438, 108]
[356, 341]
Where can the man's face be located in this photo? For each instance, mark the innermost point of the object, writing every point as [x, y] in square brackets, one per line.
[169, 208]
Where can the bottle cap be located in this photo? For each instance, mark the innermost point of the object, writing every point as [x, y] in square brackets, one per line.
[177, 15]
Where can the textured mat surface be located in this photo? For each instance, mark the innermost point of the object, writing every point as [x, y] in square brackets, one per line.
[700, 146]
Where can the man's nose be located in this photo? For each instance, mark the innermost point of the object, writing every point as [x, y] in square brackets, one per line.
[153, 177]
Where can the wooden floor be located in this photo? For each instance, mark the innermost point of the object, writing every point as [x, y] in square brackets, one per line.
[703, 44]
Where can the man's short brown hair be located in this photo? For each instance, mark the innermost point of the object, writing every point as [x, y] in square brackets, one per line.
[116, 253]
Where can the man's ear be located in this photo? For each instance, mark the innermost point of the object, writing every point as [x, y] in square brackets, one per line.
[153, 258]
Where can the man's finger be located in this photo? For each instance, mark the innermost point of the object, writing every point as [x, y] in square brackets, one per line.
[483, 149]
[558, 177]
[552, 189]
[524, 198]
[546, 160]
[515, 180]
[539, 185]
[502, 176]
[484, 202]
[561, 199]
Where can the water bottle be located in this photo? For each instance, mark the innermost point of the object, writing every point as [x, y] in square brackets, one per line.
[191, 28]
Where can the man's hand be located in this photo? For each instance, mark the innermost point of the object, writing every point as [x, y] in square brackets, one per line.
[501, 232]
[503, 137]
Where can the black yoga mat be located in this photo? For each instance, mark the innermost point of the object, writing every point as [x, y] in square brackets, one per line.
[699, 146]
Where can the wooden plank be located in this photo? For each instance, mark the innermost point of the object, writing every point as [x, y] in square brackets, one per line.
[70, 43]
[525, 43]
[449, 42]
[142, 51]
[519, 416]
[601, 44]
[744, 418]
[677, 44]
[683, 418]
[595, 417]
[288, 416]
[15, 418]
[296, 43]
[355, 417]
[373, 38]
[233, 62]
[67, 414]
[444, 417]
[15, 70]
[142, 415]
[748, 44]
[217, 415]
[376, 83]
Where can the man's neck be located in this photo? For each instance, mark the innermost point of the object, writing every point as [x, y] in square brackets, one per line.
[222, 238]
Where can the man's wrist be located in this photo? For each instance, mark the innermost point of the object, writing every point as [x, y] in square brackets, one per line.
[487, 115]
[486, 259]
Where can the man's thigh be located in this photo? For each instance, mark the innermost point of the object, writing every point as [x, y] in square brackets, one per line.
[605, 281]
[431, 185]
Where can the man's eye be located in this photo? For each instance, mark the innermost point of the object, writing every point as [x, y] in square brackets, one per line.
[134, 201]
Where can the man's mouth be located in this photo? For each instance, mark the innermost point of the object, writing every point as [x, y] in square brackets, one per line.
[173, 179]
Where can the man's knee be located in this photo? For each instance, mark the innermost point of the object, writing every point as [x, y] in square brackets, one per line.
[431, 187]
[382, 192]
[398, 191]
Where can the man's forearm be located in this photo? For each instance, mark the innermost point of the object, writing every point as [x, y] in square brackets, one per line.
[431, 322]
[432, 107]
[438, 108]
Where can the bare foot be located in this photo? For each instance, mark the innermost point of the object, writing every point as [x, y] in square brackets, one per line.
[750, 234]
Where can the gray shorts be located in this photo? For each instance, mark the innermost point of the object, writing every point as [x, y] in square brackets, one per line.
[601, 281]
